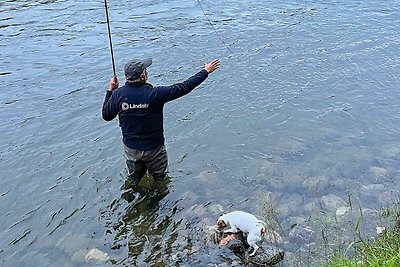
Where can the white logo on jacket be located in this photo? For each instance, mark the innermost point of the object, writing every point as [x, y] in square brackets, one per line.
[126, 106]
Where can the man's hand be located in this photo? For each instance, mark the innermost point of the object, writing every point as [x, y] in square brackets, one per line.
[113, 84]
[213, 65]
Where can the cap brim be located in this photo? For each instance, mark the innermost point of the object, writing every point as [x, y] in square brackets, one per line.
[147, 62]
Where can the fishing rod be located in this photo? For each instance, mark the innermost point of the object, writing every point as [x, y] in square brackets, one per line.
[212, 25]
[109, 37]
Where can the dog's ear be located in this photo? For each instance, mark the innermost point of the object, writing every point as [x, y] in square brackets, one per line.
[221, 224]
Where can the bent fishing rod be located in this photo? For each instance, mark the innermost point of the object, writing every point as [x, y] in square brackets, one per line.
[109, 37]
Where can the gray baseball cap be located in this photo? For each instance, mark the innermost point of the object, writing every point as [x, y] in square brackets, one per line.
[135, 67]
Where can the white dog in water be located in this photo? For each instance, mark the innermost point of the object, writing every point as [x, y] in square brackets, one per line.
[245, 222]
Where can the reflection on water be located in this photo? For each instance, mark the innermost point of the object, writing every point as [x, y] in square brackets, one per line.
[305, 110]
[140, 220]
[153, 230]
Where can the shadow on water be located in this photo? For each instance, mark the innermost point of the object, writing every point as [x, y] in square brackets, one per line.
[139, 222]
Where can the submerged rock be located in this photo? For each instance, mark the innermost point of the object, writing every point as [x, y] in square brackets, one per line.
[273, 237]
[372, 189]
[300, 233]
[388, 197]
[96, 255]
[316, 183]
[235, 242]
[342, 210]
[332, 202]
[266, 255]
[379, 171]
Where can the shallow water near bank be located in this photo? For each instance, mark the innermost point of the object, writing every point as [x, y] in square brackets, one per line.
[303, 116]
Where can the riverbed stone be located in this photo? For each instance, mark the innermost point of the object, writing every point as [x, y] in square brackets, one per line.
[388, 197]
[379, 171]
[267, 168]
[368, 220]
[295, 221]
[276, 184]
[97, 256]
[372, 189]
[339, 184]
[332, 202]
[342, 210]
[234, 263]
[312, 207]
[266, 255]
[301, 233]
[290, 204]
[391, 150]
[316, 184]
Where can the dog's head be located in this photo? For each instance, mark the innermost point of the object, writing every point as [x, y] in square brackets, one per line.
[222, 222]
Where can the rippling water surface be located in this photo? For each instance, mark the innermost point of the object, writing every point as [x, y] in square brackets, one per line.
[303, 115]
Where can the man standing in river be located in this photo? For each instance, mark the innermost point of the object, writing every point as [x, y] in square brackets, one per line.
[139, 107]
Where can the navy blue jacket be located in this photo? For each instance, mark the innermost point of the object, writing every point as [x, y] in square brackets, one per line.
[140, 107]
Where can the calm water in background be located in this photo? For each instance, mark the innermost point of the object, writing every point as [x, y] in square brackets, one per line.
[311, 89]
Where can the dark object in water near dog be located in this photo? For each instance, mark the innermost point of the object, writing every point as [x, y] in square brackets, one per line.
[266, 255]
[234, 242]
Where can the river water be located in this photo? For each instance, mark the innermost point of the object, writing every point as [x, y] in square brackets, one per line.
[302, 121]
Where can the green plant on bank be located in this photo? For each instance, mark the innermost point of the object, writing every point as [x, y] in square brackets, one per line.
[384, 251]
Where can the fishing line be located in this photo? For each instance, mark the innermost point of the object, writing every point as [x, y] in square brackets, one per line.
[212, 25]
[109, 37]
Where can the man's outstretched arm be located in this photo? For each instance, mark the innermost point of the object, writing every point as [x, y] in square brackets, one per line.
[168, 93]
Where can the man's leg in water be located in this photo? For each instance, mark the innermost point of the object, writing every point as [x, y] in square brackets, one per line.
[136, 166]
[157, 164]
